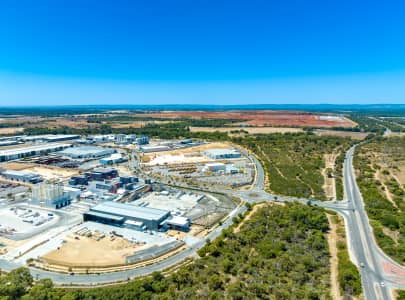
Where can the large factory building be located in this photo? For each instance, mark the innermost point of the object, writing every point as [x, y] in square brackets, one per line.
[87, 152]
[50, 195]
[120, 214]
[16, 153]
[222, 153]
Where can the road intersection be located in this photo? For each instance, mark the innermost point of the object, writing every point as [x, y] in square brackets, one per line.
[379, 273]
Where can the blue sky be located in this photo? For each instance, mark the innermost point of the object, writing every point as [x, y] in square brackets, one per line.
[202, 52]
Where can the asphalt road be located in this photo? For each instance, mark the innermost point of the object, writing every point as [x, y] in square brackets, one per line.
[363, 248]
[362, 245]
[104, 278]
[361, 240]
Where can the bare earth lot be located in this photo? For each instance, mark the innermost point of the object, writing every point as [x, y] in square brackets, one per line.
[137, 124]
[259, 118]
[48, 172]
[251, 130]
[353, 135]
[195, 149]
[11, 130]
[87, 251]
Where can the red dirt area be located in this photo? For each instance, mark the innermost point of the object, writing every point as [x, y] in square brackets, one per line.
[260, 117]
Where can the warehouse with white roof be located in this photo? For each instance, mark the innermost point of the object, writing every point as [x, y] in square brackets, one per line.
[222, 153]
[87, 152]
[115, 213]
[20, 152]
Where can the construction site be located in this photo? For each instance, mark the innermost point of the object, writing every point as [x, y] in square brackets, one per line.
[101, 247]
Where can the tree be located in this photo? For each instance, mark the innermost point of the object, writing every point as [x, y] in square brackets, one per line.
[16, 283]
[40, 291]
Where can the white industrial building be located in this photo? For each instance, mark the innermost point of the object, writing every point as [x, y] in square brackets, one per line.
[154, 148]
[131, 139]
[20, 152]
[214, 167]
[112, 159]
[220, 167]
[142, 140]
[103, 138]
[125, 138]
[21, 176]
[82, 152]
[178, 223]
[222, 153]
[50, 195]
[49, 138]
[8, 143]
[115, 213]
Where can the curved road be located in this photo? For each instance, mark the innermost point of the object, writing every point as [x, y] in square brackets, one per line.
[378, 271]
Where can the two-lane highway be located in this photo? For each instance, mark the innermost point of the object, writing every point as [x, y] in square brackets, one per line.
[360, 237]
[363, 249]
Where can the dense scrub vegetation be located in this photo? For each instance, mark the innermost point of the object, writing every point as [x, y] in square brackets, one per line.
[294, 161]
[401, 295]
[279, 253]
[375, 124]
[339, 173]
[348, 275]
[387, 216]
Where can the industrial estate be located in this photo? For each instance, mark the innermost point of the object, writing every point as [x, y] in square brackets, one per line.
[193, 204]
[92, 204]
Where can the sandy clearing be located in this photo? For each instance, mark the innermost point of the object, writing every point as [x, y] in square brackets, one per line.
[138, 124]
[11, 130]
[380, 178]
[16, 166]
[395, 134]
[199, 148]
[394, 235]
[339, 133]
[176, 159]
[260, 117]
[250, 130]
[332, 239]
[48, 172]
[53, 172]
[87, 251]
[399, 174]
[329, 183]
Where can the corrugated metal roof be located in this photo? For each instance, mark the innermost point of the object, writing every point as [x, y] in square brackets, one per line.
[21, 150]
[105, 216]
[85, 150]
[221, 151]
[128, 210]
[20, 173]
